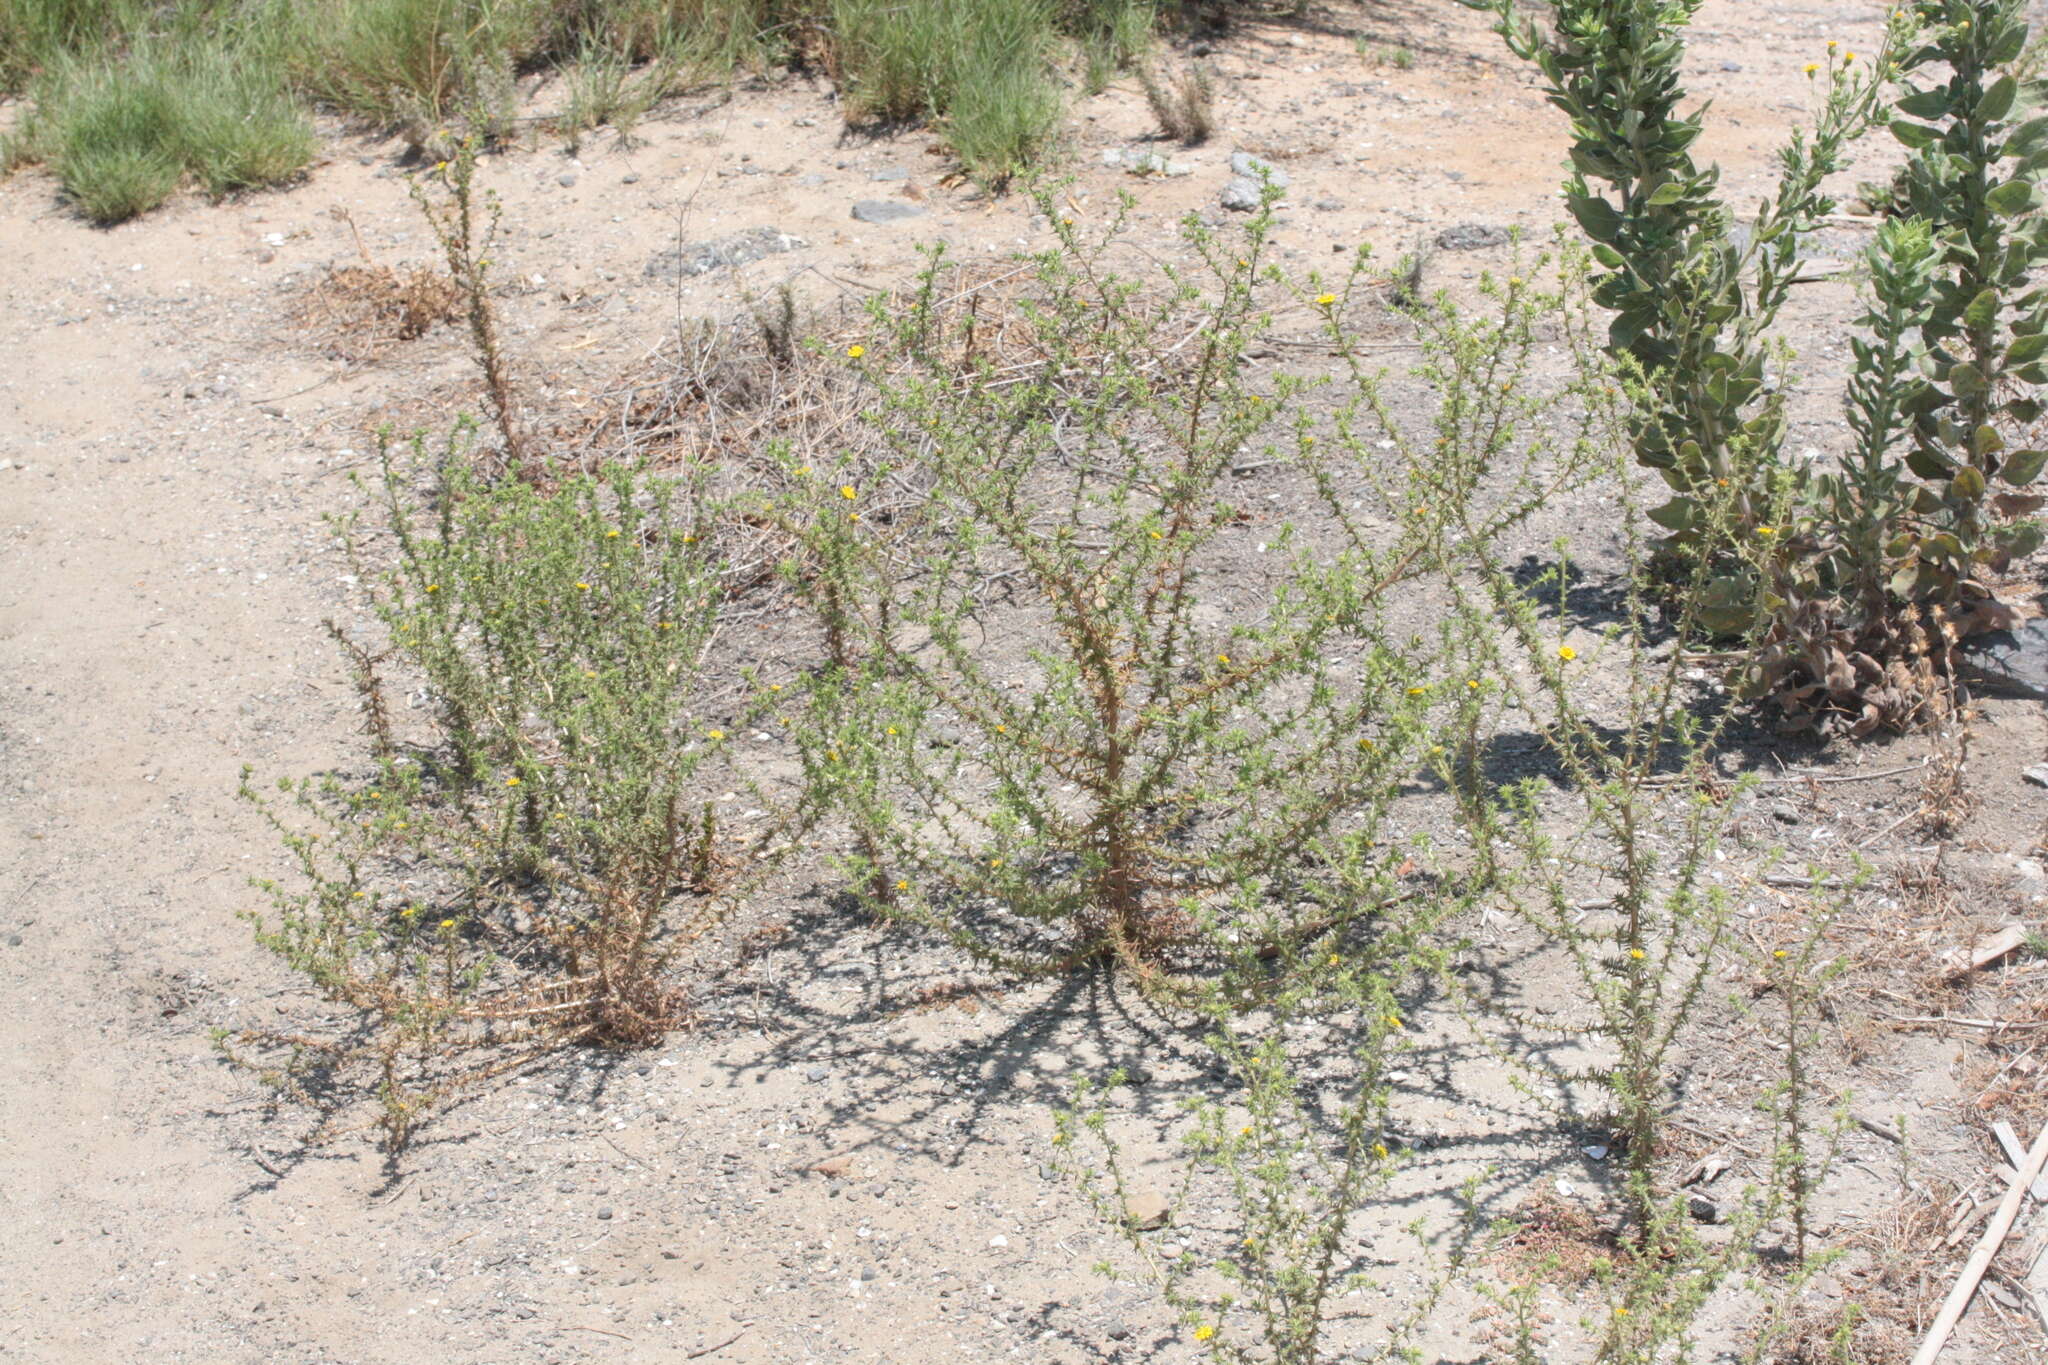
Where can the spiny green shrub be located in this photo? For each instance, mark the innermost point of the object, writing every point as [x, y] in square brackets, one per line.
[1303, 1144]
[520, 876]
[1301, 1147]
[1137, 753]
[1610, 859]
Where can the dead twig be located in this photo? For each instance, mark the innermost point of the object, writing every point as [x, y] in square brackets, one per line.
[1980, 1257]
[703, 1351]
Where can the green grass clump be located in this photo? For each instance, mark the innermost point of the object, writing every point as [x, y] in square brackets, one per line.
[122, 136]
[983, 71]
[132, 98]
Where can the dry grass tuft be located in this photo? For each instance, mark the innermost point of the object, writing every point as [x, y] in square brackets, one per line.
[359, 311]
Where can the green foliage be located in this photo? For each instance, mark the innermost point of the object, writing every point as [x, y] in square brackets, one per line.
[434, 70]
[1137, 755]
[519, 880]
[1693, 303]
[1890, 553]
[981, 70]
[1979, 145]
[123, 135]
[1303, 1145]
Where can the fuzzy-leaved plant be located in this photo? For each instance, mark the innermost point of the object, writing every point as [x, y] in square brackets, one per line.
[520, 874]
[1072, 739]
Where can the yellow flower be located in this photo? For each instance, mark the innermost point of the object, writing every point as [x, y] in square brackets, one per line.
[433, 587]
[1394, 1020]
[1567, 653]
[774, 687]
[447, 924]
[714, 734]
[856, 352]
[1848, 57]
[853, 516]
[1472, 683]
[1621, 1312]
[409, 912]
[1812, 67]
[1204, 1332]
[1365, 744]
[846, 491]
[1417, 691]
[1245, 1131]
[1767, 530]
[1222, 658]
[1002, 729]
[902, 886]
[1636, 953]
[1514, 281]
[892, 729]
[995, 862]
[511, 781]
[1379, 1149]
[1780, 952]
[612, 534]
[1326, 299]
[582, 587]
[1832, 44]
[1336, 959]
[665, 625]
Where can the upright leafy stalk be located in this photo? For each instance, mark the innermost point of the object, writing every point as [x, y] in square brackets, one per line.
[1974, 177]
[1693, 296]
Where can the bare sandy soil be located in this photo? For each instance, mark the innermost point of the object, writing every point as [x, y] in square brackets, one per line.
[171, 438]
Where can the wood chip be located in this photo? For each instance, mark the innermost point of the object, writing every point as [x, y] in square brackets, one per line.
[1986, 951]
[2017, 1155]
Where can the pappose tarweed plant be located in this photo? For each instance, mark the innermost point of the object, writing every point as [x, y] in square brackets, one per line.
[1138, 763]
[549, 819]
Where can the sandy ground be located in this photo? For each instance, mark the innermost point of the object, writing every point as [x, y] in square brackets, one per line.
[170, 441]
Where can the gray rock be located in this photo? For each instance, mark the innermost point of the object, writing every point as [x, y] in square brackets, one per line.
[890, 173]
[817, 1073]
[701, 258]
[1328, 205]
[1472, 237]
[630, 178]
[2009, 660]
[884, 211]
[1240, 195]
[604, 1215]
[567, 179]
[1153, 163]
[1703, 1209]
[2038, 774]
[1253, 168]
[1118, 1330]
[811, 180]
